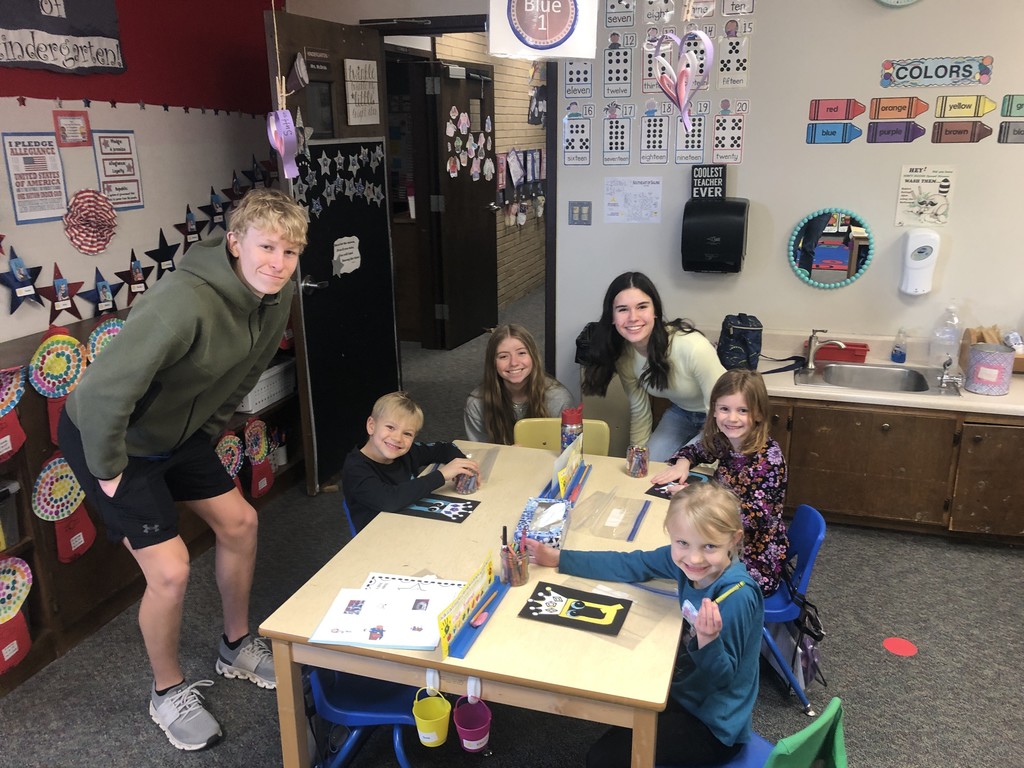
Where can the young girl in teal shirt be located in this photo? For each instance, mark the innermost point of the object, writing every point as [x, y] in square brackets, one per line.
[708, 716]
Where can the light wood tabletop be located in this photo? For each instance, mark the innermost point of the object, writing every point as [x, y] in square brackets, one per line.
[621, 680]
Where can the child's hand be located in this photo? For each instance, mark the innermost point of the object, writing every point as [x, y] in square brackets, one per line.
[677, 473]
[541, 553]
[460, 466]
[709, 622]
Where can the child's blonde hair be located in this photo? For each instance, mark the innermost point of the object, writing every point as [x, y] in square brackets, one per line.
[712, 509]
[272, 210]
[399, 402]
[750, 385]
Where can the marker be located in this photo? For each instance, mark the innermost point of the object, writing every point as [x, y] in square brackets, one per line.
[897, 108]
[834, 109]
[729, 591]
[963, 106]
[899, 132]
[832, 133]
[959, 132]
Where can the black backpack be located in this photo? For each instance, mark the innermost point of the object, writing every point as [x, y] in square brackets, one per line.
[739, 345]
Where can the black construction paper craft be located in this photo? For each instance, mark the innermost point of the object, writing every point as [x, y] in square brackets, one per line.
[558, 604]
[660, 492]
[450, 509]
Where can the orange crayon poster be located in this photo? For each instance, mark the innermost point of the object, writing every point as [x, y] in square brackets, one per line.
[897, 108]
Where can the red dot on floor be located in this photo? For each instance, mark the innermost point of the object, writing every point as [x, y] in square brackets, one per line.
[899, 646]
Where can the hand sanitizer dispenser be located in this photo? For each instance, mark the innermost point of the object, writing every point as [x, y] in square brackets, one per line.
[920, 252]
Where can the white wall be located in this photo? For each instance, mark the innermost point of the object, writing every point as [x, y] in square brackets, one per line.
[802, 50]
[181, 156]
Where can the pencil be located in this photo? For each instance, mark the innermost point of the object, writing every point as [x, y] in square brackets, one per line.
[639, 519]
[729, 591]
[484, 606]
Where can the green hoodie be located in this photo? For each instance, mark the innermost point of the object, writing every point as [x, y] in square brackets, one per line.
[193, 346]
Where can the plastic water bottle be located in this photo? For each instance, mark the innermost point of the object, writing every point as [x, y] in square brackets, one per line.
[945, 338]
[899, 347]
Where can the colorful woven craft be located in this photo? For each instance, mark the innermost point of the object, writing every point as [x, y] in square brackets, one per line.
[12, 387]
[257, 445]
[231, 454]
[102, 335]
[57, 365]
[56, 493]
[15, 582]
[90, 221]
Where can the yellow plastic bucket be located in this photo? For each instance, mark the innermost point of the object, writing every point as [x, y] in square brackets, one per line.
[431, 715]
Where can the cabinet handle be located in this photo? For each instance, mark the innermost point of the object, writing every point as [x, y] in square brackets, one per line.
[886, 427]
[977, 438]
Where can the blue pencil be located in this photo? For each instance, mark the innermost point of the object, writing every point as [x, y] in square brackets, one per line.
[639, 519]
[575, 480]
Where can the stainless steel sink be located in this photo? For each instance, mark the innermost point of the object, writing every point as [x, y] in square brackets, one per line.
[878, 378]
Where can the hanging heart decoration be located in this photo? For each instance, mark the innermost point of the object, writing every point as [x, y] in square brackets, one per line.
[681, 81]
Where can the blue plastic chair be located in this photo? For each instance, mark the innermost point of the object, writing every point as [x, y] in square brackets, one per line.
[806, 533]
[348, 516]
[361, 704]
[821, 740]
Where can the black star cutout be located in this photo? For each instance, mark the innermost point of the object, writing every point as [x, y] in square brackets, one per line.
[236, 191]
[113, 104]
[21, 101]
[135, 277]
[255, 174]
[21, 279]
[86, 103]
[61, 295]
[142, 105]
[216, 210]
[163, 256]
[186, 109]
[270, 168]
[166, 107]
[102, 295]
[190, 229]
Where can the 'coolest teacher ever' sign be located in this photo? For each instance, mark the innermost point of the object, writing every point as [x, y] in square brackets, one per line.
[543, 28]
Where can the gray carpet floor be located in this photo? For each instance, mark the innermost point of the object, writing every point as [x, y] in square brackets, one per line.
[957, 702]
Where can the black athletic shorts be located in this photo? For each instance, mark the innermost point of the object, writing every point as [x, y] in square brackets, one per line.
[142, 508]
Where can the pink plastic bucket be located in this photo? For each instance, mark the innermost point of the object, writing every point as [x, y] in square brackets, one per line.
[473, 722]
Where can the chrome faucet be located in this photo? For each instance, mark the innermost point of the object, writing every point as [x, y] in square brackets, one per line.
[948, 378]
[813, 345]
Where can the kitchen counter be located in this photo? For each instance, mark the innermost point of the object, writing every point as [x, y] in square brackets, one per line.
[783, 344]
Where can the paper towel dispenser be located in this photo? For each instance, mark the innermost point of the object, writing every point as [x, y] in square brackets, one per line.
[714, 236]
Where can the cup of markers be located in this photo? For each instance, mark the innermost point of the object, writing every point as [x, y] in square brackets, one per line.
[636, 461]
[515, 561]
[466, 483]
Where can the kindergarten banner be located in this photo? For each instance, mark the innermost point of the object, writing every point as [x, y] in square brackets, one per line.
[73, 36]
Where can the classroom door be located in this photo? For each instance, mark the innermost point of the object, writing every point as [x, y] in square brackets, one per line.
[463, 211]
[346, 344]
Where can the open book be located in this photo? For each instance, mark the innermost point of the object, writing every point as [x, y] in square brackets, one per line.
[402, 615]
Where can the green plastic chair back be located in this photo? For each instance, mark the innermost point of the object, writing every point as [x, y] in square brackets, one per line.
[819, 745]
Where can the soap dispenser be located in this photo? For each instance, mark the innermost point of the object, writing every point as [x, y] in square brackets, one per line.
[899, 347]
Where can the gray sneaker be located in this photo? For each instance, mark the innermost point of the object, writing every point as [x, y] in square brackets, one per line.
[182, 716]
[252, 660]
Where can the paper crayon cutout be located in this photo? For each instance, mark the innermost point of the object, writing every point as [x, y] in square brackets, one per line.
[897, 108]
[1011, 132]
[1013, 105]
[832, 133]
[900, 132]
[834, 109]
[960, 132]
[963, 106]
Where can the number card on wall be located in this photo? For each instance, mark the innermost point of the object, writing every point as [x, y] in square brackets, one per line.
[576, 141]
[728, 140]
[690, 146]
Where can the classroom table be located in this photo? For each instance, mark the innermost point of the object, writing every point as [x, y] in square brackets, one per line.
[622, 680]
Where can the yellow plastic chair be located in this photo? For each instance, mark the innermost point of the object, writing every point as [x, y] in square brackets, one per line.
[547, 433]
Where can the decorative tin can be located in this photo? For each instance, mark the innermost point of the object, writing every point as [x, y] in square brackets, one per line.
[989, 367]
[636, 461]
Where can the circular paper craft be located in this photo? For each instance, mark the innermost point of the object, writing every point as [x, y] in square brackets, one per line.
[57, 365]
[257, 446]
[12, 387]
[56, 493]
[90, 221]
[231, 453]
[15, 581]
[102, 335]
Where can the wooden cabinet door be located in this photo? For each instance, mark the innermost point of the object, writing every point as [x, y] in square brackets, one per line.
[875, 463]
[989, 496]
[780, 422]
